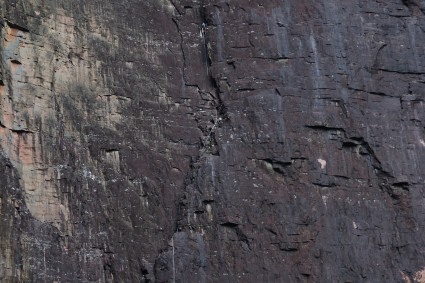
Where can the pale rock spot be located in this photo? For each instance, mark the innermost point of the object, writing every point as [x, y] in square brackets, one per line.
[209, 211]
[405, 277]
[420, 276]
[322, 163]
[325, 200]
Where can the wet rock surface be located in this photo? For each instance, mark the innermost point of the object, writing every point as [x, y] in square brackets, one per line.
[212, 141]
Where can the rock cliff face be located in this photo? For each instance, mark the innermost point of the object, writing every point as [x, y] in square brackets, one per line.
[212, 141]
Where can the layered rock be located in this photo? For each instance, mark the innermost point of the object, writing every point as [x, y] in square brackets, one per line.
[212, 141]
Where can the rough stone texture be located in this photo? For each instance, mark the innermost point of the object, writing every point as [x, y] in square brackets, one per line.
[212, 141]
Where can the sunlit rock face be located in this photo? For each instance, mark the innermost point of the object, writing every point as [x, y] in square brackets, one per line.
[212, 141]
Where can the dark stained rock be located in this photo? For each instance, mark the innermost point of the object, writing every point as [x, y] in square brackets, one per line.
[212, 141]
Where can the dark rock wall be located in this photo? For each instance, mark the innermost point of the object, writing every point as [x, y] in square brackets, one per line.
[212, 141]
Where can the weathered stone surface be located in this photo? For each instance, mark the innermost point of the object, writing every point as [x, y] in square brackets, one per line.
[212, 141]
